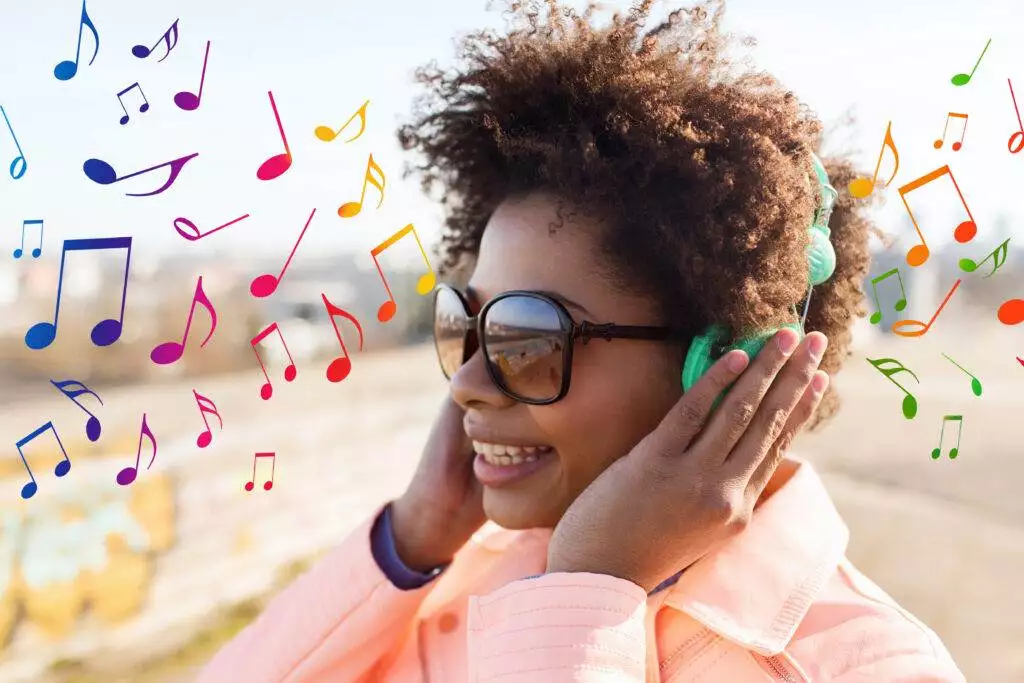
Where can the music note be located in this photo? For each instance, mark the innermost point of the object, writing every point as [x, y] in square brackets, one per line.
[963, 233]
[923, 327]
[955, 451]
[327, 135]
[901, 303]
[37, 251]
[21, 154]
[206, 406]
[67, 69]
[103, 173]
[189, 101]
[266, 284]
[1011, 312]
[171, 351]
[909, 401]
[277, 164]
[269, 484]
[423, 287]
[106, 332]
[73, 389]
[350, 209]
[956, 145]
[998, 255]
[62, 468]
[964, 79]
[141, 51]
[267, 390]
[862, 187]
[975, 382]
[341, 366]
[143, 108]
[128, 474]
[195, 231]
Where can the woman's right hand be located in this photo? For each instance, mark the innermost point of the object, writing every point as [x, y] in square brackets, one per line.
[443, 504]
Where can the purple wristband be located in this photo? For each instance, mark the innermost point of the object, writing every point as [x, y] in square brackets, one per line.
[382, 545]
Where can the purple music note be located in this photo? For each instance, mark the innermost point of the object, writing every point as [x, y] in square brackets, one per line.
[169, 352]
[103, 173]
[190, 101]
[141, 51]
[128, 474]
[62, 468]
[73, 389]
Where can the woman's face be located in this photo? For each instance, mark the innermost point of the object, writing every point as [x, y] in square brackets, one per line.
[620, 389]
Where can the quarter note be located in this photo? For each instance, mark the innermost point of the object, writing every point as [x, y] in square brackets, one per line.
[350, 209]
[267, 390]
[190, 101]
[964, 79]
[423, 287]
[964, 232]
[37, 252]
[341, 366]
[143, 108]
[955, 451]
[862, 187]
[1020, 125]
[206, 406]
[266, 284]
[171, 351]
[975, 382]
[327, 135]
[103, 173]
[67, 69]
[21, 155]
[62, 468]
[269, 484]
[921, 328]
[73, 389]
[909, 400]
[195, 231]
[276, 165]
[170, 37]
[901, 303]
[998, 255]
[1011, 312]
[958, 144]
[106, 332]
[128, 474]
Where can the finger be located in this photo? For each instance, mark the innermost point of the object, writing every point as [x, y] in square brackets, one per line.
[797, 419]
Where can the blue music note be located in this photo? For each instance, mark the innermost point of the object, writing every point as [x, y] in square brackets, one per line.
[15, 175]
[62, 468]
[106, 332]
[103, 173]
[67, 69]
[73, 389]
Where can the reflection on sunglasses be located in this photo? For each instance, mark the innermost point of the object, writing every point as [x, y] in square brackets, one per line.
[513, 358]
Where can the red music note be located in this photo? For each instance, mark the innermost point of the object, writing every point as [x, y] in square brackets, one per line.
[964, 232]
[276, 165]
[1020, 124]
[269, 484]
[128, 474]
[171, 351]
[199, 235]
[266, 284]
[342, 365]
[267, 390]
[206, 406]
[425, 284]
[350, 209]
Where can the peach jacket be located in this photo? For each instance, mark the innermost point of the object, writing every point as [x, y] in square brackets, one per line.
[780, 602]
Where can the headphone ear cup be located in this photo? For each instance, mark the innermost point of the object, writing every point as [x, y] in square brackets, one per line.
[698, 357]
[821, 256]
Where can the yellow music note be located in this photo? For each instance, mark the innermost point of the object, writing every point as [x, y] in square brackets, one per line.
[423, 287]
[862, 187]
[350, 209]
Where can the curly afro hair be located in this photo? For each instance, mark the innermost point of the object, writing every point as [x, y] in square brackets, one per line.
[703, 175]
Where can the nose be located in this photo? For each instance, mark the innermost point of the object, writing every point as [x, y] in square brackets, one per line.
[472, 386]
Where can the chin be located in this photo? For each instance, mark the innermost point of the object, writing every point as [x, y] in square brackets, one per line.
[516, 510]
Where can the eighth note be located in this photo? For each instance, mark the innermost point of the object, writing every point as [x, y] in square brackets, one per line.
[38, 250]
[342, 365]
[964, 79]
[171, 351]
[67, 69]
[955, 451]
[103, 173]
[862, 187]
[975, 382]
[964, 232]
[901, 303]
[62, 468]
[959, 143]
[128, 474]
[269, 484]
[350, 209]
[998, 255]
[426, 282]
[143, 108]
[267, 390]
[909, 401]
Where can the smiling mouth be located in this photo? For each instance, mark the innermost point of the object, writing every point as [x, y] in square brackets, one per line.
[505, 454]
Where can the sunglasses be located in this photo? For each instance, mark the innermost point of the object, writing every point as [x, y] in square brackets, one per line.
[526, 338]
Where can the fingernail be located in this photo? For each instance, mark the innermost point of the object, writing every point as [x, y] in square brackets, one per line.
[818, 344]
[787, 340]
[820, 382]
[736, 361]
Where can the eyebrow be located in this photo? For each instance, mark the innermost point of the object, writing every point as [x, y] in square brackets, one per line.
[474, 296]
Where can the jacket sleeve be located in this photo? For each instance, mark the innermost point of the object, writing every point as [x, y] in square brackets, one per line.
[559, 628]
[338, 620]
[906, 667]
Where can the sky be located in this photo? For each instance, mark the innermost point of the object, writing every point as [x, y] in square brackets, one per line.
[881, 60]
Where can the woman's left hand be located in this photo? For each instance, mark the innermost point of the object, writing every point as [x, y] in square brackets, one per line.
[687, 485]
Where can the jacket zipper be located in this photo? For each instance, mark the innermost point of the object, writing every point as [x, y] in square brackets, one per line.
[779, 667]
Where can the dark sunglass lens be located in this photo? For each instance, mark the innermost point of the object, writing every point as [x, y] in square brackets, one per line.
[450, 330]
[525, 343]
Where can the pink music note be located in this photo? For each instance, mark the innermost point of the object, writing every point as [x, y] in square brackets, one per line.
[62, 468]
[103, 173]
[426, 281]
[128, 474]
[269, 484]
[189, 101]
[206, 406]
[922, 327]
[342, 365]
[963, 233]
[276, 165]
[266, 284]
[171, 351]
[267, 390]
[141, 51]
[196, 235]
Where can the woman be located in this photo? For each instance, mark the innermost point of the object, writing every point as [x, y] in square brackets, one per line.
[614, 191]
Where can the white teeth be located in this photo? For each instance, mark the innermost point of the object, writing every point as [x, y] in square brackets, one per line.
[505, 455]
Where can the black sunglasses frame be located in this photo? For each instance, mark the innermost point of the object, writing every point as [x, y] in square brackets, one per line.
[570, 333]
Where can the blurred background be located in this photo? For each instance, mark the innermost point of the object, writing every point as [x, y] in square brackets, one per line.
[142, 583]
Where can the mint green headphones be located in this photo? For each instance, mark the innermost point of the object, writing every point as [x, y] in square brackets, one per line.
[821, 261]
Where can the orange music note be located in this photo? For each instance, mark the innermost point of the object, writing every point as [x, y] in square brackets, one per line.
[171, 351]
[128, 474]
[267, 390]
[923, 327]
[276, 165]
[963, 233]
[266, 284]
[901, 303]
[350, 209]
[426, 282]
[327, 135]
[1011, 312]
[956, 145]
[206, 406]
[269, 484]
[342, 365]
[862, 187]
[955, 451]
